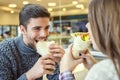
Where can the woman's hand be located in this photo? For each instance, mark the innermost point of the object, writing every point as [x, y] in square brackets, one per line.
[88, 60]
[68, 62]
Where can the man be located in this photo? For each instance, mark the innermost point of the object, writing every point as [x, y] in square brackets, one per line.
[18, 57]
[7, 34]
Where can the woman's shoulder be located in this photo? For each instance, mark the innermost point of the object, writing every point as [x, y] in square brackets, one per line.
[104, 63]
[103, 70]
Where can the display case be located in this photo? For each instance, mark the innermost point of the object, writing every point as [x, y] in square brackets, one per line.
[13, 29]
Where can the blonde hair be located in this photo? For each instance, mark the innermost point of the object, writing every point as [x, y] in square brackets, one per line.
[104, 18]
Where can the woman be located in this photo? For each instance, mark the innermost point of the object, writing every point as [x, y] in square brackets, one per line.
[104, 31]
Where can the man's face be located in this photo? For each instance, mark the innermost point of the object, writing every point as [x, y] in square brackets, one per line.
[37, 30]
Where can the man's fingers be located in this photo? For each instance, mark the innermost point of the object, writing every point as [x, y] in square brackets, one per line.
[58, 55]
[49, 67]
[48, 56]
[48, 71]
[49, 61]
[57, 50]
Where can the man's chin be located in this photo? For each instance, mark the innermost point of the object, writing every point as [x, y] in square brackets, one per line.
[31, 46]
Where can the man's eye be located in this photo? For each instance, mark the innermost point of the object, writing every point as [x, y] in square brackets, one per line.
[47, 28]
[36, 28]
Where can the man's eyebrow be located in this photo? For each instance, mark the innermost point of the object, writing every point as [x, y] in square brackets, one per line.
[48, 26]
[41, 26]
[37, 26]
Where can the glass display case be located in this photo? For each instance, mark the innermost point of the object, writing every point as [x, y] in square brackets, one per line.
[60, 30]
[13, 29]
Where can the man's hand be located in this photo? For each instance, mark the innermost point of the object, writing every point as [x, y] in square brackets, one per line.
[57, 52]
[44, 65]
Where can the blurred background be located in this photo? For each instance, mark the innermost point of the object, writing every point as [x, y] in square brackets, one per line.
[65, 17]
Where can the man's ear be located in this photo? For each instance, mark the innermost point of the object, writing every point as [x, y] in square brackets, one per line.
[22, 29]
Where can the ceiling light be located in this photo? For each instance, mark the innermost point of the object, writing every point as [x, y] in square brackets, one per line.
[38, 0]
[51, 4]
[25, 2]
[64, 9]
[50, 9]
[12, 12]
[82, 0]
[12, 5]
[74, 2]
[81, 6]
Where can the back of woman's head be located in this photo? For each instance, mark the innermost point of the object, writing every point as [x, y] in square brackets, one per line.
[104, 18]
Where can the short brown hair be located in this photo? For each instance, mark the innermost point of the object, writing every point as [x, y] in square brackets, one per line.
[32, 11]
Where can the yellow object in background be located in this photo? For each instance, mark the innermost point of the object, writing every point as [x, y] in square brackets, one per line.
[84, 35]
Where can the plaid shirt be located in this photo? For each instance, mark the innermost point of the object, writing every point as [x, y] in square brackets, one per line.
[66, 75]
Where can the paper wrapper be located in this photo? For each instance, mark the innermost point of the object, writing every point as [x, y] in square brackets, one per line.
[43, 47]
[79, 46]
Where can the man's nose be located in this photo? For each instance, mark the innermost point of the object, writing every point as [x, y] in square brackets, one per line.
[43, 33]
